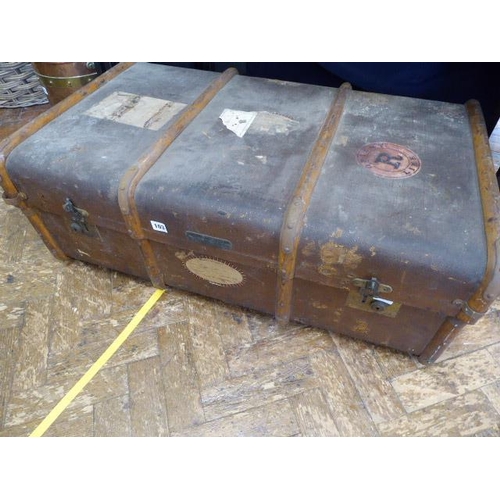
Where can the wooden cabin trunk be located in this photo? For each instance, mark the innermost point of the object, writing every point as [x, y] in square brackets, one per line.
[371, 215]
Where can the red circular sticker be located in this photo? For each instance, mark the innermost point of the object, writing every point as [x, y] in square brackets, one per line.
[392, 161]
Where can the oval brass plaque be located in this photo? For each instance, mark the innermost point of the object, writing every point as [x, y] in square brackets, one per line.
[389, 160]
[214, 271]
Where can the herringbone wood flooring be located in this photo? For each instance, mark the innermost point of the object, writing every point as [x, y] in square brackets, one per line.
[196, 367]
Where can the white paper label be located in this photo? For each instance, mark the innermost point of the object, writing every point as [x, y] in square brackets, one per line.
[159, 226]
[137, 110]
[237, 121]
[241, 122]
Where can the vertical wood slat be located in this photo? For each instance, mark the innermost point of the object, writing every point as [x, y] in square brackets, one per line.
[495, 144]
[9, 342]
[313, 415]
[32, 356]
[148, 413]
[208, 351]
[344, 401]
[112, 417]
[489, 288]
[293, 220]
[179, 377]
[378, 395]
[81, 294]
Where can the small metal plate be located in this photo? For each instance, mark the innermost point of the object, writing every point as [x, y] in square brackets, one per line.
[354, 300]
[205, 239]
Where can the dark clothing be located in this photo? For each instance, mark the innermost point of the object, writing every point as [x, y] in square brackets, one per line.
[449, 82]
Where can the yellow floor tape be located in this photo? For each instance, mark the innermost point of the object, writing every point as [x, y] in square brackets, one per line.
[94, 369]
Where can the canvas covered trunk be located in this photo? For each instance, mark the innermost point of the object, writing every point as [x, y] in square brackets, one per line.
[374, 216]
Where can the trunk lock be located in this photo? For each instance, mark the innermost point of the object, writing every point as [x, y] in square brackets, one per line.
[78, 217]
[370, 289]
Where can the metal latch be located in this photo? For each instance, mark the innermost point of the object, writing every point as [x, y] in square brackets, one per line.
[78, 217]
[370, 289]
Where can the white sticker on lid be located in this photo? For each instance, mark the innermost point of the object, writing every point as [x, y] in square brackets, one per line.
[159, 226]
[274, 124]
[237, 121]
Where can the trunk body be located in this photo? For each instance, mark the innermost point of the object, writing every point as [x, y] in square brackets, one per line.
[374, 216]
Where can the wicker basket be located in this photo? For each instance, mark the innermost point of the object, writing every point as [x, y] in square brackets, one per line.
[20, 86]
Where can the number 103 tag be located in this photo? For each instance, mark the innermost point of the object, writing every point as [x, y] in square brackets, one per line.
[159, 226]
